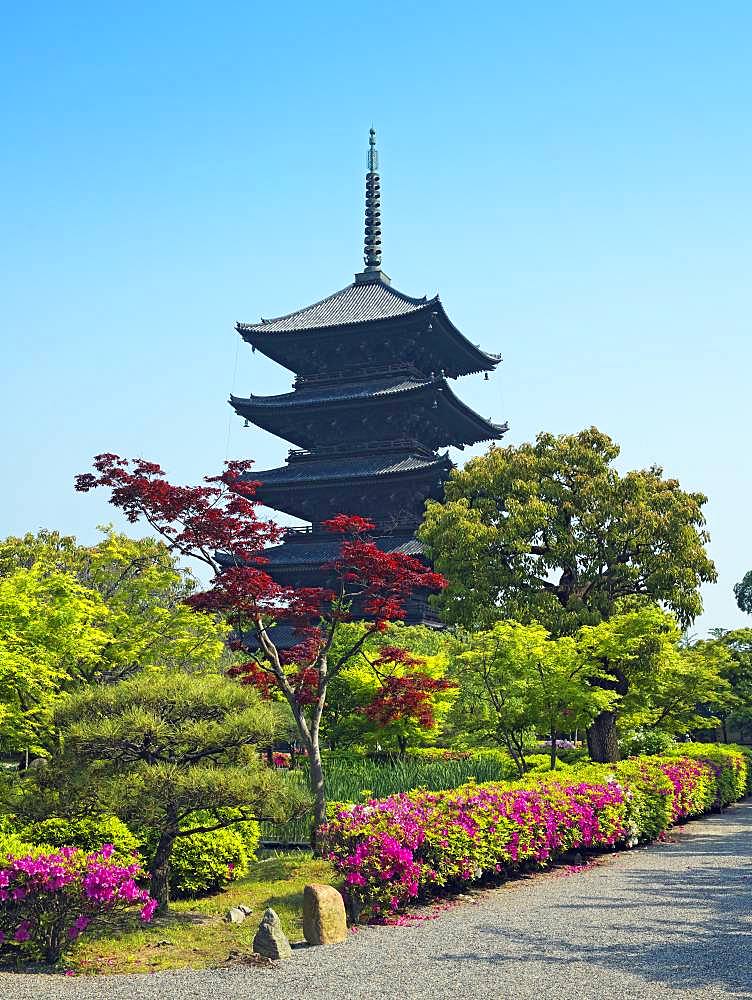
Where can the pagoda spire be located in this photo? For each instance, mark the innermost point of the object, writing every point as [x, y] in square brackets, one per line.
[372, 242]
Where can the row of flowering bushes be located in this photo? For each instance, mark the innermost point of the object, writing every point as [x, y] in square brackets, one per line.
[417, 844]
[48, 899]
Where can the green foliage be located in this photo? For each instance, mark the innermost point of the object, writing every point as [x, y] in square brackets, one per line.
[161, 751]
[206, 862]
[551, 532]
[537, 763]
[49, 626]
[72, 614]
[359, 682]
[354, 778]
[732, 766]
[650, 804]
[514, 678]
[140, 591]
[736, 646]
[648, 742]
[87, 833]
[743, 593]
[12, 844]
[657, 681]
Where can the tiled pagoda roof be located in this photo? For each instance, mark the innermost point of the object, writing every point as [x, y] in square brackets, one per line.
[347, 468]
[318, 551]
[460, 423]
[333, 393]
[361, 302]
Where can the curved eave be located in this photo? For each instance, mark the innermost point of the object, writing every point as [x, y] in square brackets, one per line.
[267, 341]
[272, 412]
[442, 464]
[297, 400]
[485, 430]
[486, 362]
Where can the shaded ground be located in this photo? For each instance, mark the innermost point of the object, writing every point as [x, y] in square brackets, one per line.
[669, 921]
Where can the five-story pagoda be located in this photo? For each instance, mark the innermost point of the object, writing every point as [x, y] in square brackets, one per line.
[369, 410]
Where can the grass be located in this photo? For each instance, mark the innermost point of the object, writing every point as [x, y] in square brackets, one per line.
[355, 779]
[194, 934]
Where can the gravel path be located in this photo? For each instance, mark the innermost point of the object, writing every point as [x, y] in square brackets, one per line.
[670, 921]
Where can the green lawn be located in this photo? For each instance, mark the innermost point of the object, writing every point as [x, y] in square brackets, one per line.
[195, 934]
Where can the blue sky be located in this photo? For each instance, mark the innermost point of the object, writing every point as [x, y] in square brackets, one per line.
[573, 178]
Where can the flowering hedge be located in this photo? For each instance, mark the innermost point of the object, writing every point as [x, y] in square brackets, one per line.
[48, 899]
[415, 844]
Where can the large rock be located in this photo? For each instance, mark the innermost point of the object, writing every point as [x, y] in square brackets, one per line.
[270, 940]
[324, 920]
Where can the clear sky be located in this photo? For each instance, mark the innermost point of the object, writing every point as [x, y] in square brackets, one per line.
[573, 178]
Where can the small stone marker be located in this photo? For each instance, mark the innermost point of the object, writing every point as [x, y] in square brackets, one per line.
[236, 915]
[246, 909]
[270, 940]
[324, 920]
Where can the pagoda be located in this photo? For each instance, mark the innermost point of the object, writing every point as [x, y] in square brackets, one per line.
[370, 409]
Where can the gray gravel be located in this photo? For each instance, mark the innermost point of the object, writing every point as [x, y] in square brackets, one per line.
[669, 921]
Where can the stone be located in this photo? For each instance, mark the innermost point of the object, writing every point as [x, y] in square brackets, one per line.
[246, 909]
[270, 940]
[324, 919]
[235, 915]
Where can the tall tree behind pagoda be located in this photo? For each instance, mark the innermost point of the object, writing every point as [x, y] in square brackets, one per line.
[220, 517]
[551, 532]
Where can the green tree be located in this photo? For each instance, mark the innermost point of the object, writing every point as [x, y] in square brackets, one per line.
[552, 532]
[743, 593]
[515, 678]
[142, 592]
[49, 625]
[415, 714]
[171, 754]
[736, 645]
[657, 681]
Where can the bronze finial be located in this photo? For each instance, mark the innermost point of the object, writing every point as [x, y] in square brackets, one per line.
[372, 244]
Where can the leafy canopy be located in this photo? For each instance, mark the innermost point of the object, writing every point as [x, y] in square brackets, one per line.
[659, 682]
[552, 532]
[142, 594]
[514, 678]
[394, 692]
[743, 593]
[50, 627]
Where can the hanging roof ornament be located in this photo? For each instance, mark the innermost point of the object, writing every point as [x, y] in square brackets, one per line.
[372, 242]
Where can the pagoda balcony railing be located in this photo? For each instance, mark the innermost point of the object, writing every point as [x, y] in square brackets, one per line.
[394, 444]
[308, 532]
[359, 372]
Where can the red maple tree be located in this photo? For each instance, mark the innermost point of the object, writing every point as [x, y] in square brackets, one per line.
[218, 524]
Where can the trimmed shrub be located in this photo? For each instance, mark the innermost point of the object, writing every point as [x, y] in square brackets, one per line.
[87, 834]
[732, 764]
[206, 862]
[537, 763]
[48, 900]
[648, 742]
[408, 846]
[650, 797]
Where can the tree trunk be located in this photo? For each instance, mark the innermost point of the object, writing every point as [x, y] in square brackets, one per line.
[53, 945]
[159, 870]
[602, 738]
[402, 745]
[316, 771]
[554, 734]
